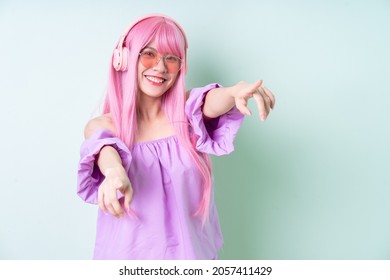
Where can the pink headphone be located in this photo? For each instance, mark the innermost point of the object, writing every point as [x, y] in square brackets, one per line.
[121, 53]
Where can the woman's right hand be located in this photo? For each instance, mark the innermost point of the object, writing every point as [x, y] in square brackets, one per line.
[116, 180]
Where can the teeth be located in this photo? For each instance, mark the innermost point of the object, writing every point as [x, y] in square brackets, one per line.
[154, 79]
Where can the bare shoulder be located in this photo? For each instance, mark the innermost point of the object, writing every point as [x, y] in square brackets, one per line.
[101, 122]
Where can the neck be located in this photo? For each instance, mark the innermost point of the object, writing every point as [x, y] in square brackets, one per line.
[149, 108]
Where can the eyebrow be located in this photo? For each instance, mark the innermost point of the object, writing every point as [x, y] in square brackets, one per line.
[147, 47]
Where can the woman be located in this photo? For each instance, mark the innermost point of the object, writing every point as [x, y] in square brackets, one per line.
[145, 160]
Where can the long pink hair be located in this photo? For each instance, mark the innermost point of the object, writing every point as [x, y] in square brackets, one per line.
[122, 90]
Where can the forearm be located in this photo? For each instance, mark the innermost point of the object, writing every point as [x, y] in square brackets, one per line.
[108, 158]
[218, 101]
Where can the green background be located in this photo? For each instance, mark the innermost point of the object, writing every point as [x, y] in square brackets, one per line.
[312, 182]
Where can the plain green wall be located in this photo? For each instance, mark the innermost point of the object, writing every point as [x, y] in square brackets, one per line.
[312, 182]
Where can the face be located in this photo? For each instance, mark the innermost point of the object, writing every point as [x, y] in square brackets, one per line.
[154, 79]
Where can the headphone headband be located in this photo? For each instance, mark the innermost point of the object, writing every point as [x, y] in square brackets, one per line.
[120, 55]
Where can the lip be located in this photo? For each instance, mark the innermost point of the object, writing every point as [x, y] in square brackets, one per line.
[155, 80]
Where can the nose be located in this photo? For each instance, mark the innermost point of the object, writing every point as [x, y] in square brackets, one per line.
[160, 65]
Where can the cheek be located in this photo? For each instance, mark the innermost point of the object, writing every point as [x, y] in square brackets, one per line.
[139, 75]
[139, 71]
[173, 80]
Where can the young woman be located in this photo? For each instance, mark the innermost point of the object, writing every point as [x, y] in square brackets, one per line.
[145, 160]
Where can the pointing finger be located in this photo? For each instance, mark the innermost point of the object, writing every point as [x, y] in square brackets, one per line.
[101, 201]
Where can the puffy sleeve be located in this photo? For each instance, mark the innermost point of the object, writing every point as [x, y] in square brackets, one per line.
[89, 176]
[214, 136]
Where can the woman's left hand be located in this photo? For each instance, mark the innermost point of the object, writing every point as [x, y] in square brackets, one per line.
[264, 98]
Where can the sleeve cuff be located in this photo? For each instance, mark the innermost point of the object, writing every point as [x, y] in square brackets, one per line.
[214, 136]
[89, 175]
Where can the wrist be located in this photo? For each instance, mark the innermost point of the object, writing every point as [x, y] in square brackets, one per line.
[112, 170]
[231, 91]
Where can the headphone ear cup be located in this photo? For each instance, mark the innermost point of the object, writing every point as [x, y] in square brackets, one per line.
[125, 57]
[119, 59]
[116, 59]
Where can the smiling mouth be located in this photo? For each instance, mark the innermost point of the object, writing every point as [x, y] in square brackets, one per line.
[155, 79]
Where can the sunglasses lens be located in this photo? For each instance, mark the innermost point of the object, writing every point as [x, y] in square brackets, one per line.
[148, 58]
[173, 63]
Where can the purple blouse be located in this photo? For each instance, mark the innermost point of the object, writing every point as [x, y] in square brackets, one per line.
[167, 191]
